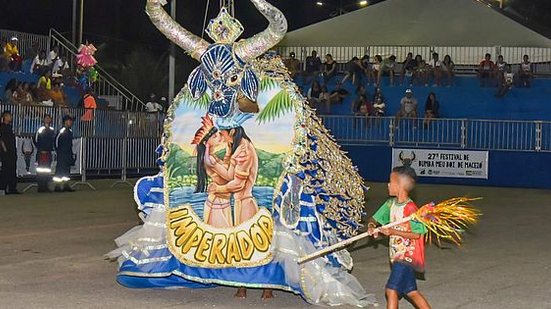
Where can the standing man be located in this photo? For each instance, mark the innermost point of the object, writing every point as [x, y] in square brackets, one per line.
[44, 142]
[65, 156]
[8, 155]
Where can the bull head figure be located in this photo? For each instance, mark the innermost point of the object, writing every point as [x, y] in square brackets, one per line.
[225, 68]
[407, 161]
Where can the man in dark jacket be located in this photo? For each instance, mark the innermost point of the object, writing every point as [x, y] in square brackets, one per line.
[8, 155]
[44, 142]
[65, 156]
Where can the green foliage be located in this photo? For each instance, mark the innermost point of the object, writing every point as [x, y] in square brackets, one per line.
[201, 103]
[280, 104]
[267, 84]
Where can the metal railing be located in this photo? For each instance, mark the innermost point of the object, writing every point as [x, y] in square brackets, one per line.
[26, 41]
[106, 86]
[103, 123]
[476, 134]
[462, 56]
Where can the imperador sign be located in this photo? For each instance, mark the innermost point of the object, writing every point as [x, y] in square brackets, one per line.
[199, 244]
[443, 163]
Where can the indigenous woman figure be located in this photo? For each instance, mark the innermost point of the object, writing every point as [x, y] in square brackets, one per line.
[217, 210]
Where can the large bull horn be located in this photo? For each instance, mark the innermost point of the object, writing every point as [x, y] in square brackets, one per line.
[257, 45]
[192, 44]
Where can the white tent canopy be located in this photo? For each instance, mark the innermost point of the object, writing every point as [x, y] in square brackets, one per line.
[418, 23]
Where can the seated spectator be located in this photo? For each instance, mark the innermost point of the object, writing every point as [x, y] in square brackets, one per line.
[53, 55]
[361, 90]
[379, 107]
[525, 72]
[387, 67]
[500, 70]
[408, 68]
[293, 65]
[325, 99]
[61, 67]
[435, 66]
[58, 96]
[354, 71]
[314, 93]
[152, 106]
[329, 69]
[486, 70]
[12, 54]
[408, 106]
[447, 70]
[22, 95]
[361, 109]
[40, 63]
[9, 90]
[313, 66]
[338, 95]
[90, 105]
[378, 95]
[507, 82]
[27, 94]
[432, 109]
[368, 69]
[421, 74]
[44, 86]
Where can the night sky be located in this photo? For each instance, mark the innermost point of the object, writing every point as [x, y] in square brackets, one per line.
[125, 20]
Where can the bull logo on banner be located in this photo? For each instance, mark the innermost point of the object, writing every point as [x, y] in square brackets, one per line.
[407, 160]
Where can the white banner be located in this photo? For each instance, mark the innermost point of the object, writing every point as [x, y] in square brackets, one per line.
[443, 163]
[26, 157]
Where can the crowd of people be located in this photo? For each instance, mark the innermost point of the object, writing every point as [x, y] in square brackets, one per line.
[412, 71]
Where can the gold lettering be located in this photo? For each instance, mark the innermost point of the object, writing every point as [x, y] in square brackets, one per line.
[193, 241]
[260, 239]
[245, 244]
[267, 225]
[178, 214]
[204, 245]
[233, 250]
[216, 254]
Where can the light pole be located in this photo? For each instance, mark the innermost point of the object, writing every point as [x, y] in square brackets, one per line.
[74, 34]
[172, 58]
[81, 22]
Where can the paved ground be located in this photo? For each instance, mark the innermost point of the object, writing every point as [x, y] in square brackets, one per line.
[52, 247]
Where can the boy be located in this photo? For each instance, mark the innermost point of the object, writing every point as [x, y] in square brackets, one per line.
[406, 242]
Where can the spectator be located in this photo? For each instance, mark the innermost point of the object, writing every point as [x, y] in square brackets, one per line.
[501, 69]
[164, 103]
[338, 95]
[432, 109]
[379, 107]
[354, 71]
[58, 96]
[4, 61]
[329, 69]
[293, 65]
[436, 68]
[61, 67]
[22, 95]
[314, 93]
[387, 67]
[421, 71]
[507, 83]
[408, 106]
[90, 105]
[486, 70]
[12, 54]
[361, 90]
[313, 66]
[40, 63]
[9, 90]
[525, 72]
[368, 69]
[361, 109]
[447, 70]
[26, 95]
[376, 68]
[378, 95]
[153, 107]
[408, 68]
[53, 55]
[44, 86]
[325, 99]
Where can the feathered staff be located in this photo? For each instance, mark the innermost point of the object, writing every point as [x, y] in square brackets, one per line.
[445, 220]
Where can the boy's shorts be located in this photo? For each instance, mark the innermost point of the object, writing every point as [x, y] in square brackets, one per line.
[402, 279]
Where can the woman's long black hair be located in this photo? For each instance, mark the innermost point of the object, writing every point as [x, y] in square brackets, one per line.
[238, 136]
[201, 185]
